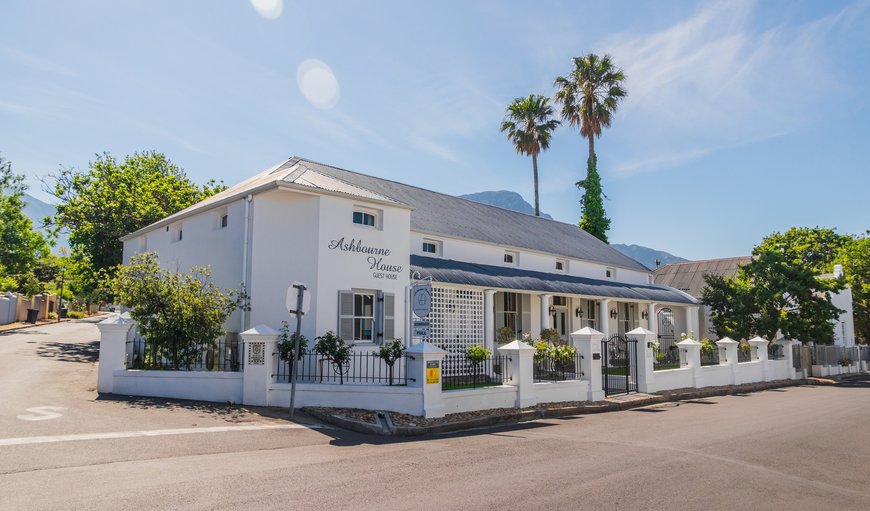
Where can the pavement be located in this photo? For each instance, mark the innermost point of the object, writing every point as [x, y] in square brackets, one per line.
[803, 447]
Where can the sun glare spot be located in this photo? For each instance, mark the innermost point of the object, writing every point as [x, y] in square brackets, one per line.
[317, 83]
[269, 9]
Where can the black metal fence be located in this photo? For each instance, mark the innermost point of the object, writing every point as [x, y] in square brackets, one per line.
[864, 353]
[666, 357]
[796, 357]
[459, 373]
[775, 351]
[618, 365]
[222, 354]
[710, 357]
[360, 367]
[549, 368]
[744, 354]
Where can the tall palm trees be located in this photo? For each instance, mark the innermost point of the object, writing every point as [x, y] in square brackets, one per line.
[529, 125]
[589, 95]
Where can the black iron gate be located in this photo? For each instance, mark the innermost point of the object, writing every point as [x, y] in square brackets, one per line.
[619, 365]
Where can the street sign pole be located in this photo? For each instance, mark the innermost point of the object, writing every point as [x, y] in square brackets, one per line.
[300, 288]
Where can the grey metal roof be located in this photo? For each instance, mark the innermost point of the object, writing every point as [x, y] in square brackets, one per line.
[439, 213]
[689, 276]
[482, 275]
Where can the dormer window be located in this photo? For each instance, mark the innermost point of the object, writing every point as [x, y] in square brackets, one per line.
[610, 273]
[561, 265]
[431, 247]
[511, 258]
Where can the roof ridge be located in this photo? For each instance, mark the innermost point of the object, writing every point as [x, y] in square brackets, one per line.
[302, 162]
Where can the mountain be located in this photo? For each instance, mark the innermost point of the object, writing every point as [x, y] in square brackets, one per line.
[647, 256]
[514, 201]
[36, 210]
[504, 199]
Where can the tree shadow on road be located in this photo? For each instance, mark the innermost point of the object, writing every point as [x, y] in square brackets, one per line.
[83, 352]
[224, 411]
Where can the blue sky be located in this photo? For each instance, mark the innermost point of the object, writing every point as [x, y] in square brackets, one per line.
[743, 118]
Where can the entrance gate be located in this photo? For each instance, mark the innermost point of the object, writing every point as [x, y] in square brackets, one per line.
[619, 365]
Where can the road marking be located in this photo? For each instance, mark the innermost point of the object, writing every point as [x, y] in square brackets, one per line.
[42, 413]
[146, 433]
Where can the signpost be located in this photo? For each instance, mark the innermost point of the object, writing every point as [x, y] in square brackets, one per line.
[298, 308]
[421, 305]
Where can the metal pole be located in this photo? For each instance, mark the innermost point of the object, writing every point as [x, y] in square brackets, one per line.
[299, 295]
[62, 270]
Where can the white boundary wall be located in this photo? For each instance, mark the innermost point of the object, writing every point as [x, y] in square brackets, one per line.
[220, 387]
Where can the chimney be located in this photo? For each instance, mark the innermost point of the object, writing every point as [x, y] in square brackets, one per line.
[658, 263]
[838, 270]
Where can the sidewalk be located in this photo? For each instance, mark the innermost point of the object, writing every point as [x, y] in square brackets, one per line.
[11, 327]
[397, 424]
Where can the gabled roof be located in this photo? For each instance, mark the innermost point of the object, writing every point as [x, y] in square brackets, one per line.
[501, 277]
[432, 212]
[689, 276]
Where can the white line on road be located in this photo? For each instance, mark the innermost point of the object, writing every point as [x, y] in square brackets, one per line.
[154, 432]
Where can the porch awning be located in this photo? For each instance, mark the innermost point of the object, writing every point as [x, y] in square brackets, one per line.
[482, 275]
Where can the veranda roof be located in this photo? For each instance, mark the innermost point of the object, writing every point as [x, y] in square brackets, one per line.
[500, 277]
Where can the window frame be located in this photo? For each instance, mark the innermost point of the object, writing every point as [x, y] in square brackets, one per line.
[434, 243]
[515, 258]
[363, 213]
[360, 319]
[564, 263]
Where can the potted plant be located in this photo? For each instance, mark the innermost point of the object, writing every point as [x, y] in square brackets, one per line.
[390, 353]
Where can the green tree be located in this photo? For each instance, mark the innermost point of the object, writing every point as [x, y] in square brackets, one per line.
[21, 246]
[814, 248]
[770, 294]
[180, 314]
[113, 198]
[855, 258]
[529, 125]
[590, 94]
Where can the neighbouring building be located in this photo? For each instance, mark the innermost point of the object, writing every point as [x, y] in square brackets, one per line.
[689, 277]
[360, 242]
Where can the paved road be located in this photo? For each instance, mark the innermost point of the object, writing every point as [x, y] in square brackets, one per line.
[795, 448]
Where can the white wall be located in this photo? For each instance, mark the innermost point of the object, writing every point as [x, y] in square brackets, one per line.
[456, 401]
[561, 391]
[484, 253]
[370, 397]
[844, 327]
[203, 243]
[219, 387]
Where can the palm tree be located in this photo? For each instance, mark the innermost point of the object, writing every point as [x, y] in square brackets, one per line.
[589, 96]
[529, 125]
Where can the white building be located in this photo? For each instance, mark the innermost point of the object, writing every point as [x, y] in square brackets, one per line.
[359, 242]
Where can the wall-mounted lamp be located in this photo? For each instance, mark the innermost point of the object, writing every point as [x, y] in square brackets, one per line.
[613, 313]
[643, 315]
[578, 312]
[552, 310]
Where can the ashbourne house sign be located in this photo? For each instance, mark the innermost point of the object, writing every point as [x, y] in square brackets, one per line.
[375, 257]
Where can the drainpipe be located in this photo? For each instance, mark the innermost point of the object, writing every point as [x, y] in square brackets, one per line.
[245, 244]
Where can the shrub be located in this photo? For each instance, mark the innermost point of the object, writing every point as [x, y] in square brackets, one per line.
[563, 356]
[75, 314]
[505, 335]
[845, 362]
[708, 347]
[551, 335]
[477, 354]
[335, 350]
[391, 352]
[52, 315]
[287, 342]
[542, 349]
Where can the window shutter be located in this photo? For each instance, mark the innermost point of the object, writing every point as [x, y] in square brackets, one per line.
[389, 330]
[345, 315]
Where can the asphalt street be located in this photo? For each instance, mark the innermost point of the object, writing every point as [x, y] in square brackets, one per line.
[63, 447]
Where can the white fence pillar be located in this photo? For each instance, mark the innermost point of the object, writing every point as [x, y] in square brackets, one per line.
[488, 318]
[425, 368]
[728, 355]
[690, 357]
[522, 371]
[588, 343]
[759, 346]
[788, 351]
[260, 344]
[113, 350]
[645, 359]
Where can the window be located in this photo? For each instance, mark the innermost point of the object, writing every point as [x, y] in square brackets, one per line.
[224, 220]
[560, 301]
[511, 257]
[177, 233]
[626, 318]
[510, 311]
[364, 218]
[587, 312]
[561, 265]
[431, 247]
[610, 273]
[363, 316]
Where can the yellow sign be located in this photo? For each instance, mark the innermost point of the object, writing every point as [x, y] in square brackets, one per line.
[433, 374]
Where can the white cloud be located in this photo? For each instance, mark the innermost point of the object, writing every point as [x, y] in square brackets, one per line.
[715, 81]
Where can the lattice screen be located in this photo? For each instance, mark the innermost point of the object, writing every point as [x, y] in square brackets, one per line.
[456, 320]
